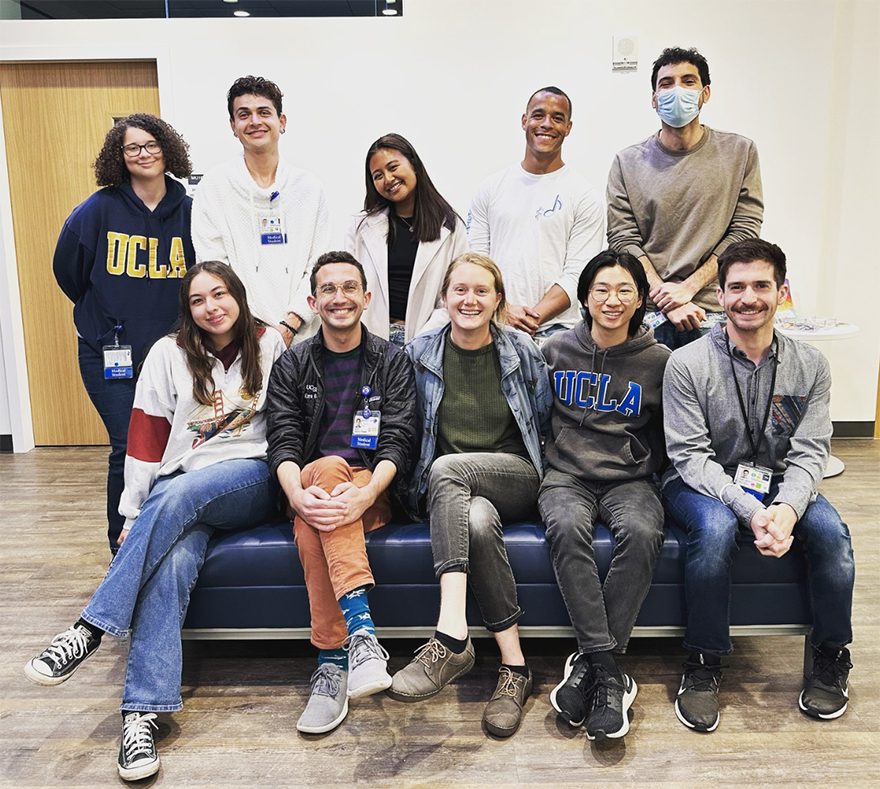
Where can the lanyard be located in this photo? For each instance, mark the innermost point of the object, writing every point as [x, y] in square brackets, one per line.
[755, 446]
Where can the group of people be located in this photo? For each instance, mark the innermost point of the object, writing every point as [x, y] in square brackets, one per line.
[472, 373]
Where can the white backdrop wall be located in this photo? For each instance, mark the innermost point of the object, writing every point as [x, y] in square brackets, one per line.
[800, 77]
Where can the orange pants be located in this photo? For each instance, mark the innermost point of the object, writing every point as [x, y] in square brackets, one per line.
[335, 562]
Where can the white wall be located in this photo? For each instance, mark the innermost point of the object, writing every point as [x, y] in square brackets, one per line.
[800, 77]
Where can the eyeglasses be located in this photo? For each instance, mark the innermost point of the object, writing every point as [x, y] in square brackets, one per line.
[133, 150]
[625, 295]
[349, 288]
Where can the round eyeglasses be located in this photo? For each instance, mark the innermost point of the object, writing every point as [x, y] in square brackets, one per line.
[625, 295]
[349, 288]
[133, 150]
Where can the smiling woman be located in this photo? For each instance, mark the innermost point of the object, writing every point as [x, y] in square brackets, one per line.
[405, 237]
[119, 259]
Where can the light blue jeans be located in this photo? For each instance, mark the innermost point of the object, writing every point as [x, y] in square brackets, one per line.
[146, 590]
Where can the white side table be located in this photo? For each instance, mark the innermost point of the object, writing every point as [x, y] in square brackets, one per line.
[841, 331]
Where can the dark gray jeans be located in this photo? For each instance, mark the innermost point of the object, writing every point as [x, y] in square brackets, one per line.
[469, 495]
[602, 615]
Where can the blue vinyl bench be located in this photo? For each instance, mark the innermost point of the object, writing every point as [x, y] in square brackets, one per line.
[252, 586]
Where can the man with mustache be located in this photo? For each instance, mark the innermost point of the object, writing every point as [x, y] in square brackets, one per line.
[748, 432]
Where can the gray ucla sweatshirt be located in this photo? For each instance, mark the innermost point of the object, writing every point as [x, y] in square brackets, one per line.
[606, 424]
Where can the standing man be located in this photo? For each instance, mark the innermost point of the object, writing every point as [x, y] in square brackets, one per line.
[265, 218]
[341, 428]
[678, 199]
[540, 221]
[749, 433]
[605, 445]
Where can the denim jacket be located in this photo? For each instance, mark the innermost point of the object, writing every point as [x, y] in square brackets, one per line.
[524, 381]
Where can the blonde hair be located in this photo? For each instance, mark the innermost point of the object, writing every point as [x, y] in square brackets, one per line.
[500, 314]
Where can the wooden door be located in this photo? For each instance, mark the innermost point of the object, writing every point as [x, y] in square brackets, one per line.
[55, 117]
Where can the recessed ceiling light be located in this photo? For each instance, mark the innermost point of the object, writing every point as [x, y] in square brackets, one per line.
[240, 13]
[235, 1]
[389, 12]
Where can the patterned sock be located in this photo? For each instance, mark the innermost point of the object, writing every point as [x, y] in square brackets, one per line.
[338, 657]
[356, 611]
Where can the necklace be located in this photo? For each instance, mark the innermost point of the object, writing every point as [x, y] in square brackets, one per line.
[406, 222]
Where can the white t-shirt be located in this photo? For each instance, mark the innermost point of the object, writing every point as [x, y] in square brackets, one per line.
[541, 230]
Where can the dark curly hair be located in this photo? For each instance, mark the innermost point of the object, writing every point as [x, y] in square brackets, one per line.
[256, 86]
[110, 169]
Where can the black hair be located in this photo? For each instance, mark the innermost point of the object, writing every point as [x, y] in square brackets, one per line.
[672, 55]
[556, 92]
[337, 256]
[256, 86]
[609, 259]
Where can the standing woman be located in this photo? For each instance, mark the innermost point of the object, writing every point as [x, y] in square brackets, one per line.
[119, 259]
[484, 398]
[406, 237]
[196, 462]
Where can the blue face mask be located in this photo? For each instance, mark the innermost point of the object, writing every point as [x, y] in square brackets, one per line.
[678, 106]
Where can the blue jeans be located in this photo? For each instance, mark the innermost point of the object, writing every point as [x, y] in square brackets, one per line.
[469, 494]
[602, 614]
[146, 590]
[712, 529]
[666, 334]
[113, 401]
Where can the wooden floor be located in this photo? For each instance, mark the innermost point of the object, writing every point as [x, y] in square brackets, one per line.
[242, 699]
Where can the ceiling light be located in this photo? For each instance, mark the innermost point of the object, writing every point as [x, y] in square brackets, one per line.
[235, 1]
[389, 11]
[240, 13]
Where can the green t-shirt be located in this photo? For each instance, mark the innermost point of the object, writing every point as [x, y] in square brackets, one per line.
[474, 415]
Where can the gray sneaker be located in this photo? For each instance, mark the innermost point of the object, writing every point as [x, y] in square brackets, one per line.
[433, 668]
[503, 713]
[328, 703]
[367, 665]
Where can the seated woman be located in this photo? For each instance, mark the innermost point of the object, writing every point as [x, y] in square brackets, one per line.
[196, 462]
[406, 237]
[483, 400]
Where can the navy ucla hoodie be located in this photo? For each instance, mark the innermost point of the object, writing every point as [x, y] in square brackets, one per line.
[607, 422]
[120, 263]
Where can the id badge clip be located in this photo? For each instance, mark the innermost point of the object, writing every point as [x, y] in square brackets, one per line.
[365, 431]
[117, 359]
[754, 479]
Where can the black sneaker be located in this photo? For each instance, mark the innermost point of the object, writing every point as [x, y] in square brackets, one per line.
[62, 657]
[825, 694]
[570, 698]
[697, 703]
[137, 751]
[613, 695]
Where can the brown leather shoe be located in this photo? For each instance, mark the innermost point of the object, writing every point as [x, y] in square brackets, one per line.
[503, 713]
[433, 668]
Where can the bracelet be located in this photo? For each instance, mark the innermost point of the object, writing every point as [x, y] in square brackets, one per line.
[287, 326]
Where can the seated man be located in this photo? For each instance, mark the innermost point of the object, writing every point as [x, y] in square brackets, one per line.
[748, 433]
[605, 446]
[341, 429]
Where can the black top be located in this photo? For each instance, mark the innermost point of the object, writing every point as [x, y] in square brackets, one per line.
[401, 259]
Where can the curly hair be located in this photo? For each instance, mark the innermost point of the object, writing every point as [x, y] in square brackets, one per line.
[110, 169]
[256, 86]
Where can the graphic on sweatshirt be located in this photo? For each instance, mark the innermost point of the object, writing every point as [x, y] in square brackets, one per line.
[228, 420]
[137, 257]
[591, 390]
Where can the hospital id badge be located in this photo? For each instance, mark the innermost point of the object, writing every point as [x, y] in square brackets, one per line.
[117, 362]
[655, 319]
[365, 432]
[754, 479]
[271, 230]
